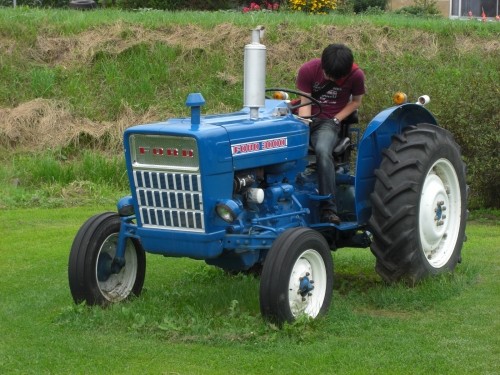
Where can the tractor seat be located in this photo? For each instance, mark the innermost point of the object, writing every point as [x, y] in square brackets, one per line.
[341, 147]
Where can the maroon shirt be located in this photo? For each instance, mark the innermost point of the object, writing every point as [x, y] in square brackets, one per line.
[311, 78]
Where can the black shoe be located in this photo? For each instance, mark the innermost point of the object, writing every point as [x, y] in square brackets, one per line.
[328, 216]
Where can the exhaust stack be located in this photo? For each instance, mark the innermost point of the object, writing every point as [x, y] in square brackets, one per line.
[254, 82]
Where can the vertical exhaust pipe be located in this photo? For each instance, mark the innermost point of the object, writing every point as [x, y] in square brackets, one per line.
[195, 101]
[254, 82]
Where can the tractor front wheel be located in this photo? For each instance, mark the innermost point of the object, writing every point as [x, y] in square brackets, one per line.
[94, 274]
[419, 205]
[297, 277]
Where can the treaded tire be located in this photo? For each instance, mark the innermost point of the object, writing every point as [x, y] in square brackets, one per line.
[295, 253]
[95, 244]
[419, 205]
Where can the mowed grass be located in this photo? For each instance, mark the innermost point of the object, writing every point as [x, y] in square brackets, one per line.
[194, 319]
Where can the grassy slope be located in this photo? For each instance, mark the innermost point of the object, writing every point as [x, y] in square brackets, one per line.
[187, 323]
[147, 63]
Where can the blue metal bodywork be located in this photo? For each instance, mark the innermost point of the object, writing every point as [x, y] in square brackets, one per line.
[270, 153]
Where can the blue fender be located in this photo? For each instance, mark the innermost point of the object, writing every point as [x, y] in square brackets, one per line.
[376, 138]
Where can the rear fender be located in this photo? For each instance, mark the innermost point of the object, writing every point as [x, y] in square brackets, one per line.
[377, 137]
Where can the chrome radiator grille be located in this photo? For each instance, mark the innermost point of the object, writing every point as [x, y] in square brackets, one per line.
[170, 200]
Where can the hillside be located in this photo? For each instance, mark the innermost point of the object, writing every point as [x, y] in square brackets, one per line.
[74, 78]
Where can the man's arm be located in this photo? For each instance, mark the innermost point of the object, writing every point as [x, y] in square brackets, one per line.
[349, 108]
[306, 110]
[352, 106]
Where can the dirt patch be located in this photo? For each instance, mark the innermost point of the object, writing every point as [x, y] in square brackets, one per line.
[227, 39]
[41, 123]
[7, 46]
[117, 38]
[466, 45]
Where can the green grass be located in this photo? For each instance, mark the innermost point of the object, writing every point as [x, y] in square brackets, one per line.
[62, 178]
[194, 319]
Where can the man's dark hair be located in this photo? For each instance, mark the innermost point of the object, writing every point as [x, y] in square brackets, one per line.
[337, 60]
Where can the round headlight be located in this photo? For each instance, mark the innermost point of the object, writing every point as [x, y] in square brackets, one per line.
[228, 210]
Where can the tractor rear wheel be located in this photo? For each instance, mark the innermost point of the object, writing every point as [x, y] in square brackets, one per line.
[93, 276]
[419, 205]
[297, 278]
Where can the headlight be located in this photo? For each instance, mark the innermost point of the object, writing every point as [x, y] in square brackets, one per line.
[228, 210]
[125, 206]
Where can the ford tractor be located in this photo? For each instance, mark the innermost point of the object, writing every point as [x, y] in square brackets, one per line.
[240, 191]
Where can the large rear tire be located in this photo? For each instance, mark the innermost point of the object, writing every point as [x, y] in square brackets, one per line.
[419, 205]
[297, 278]
[92, 276]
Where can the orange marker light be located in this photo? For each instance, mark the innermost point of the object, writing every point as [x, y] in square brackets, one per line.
[399, 98]
[280, 95]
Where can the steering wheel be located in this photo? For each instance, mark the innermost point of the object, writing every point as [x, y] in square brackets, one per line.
[294, 107]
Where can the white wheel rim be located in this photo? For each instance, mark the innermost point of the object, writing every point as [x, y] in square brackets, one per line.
[118, 286]
[440, 213]
[310, 261]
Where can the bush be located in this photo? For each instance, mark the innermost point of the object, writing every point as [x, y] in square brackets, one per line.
[313, 6]
[374, 11]
[211, 4]
[361, 6]
[345, 7]
[179, 4]
[138, 4]
[422, 8]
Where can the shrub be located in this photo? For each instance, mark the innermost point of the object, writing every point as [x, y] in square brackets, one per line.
[361, 6]
[313, 6]
[421, 8]
[265, 6]
[137, 4]
[374, 11]
[345, 7]
[179, 4]
[210, 4]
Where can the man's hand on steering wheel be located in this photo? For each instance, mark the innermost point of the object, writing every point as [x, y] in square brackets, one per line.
[294, 107]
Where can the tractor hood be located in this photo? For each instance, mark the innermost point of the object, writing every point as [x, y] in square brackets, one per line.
[231, 141]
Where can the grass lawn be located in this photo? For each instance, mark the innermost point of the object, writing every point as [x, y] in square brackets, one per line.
[194, 319]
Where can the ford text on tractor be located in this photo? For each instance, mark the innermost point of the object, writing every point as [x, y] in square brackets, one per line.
[239, 191]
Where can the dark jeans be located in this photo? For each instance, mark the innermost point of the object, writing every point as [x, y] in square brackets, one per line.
[324, 137]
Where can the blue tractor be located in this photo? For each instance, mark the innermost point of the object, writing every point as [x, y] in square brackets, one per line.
[239, 191]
